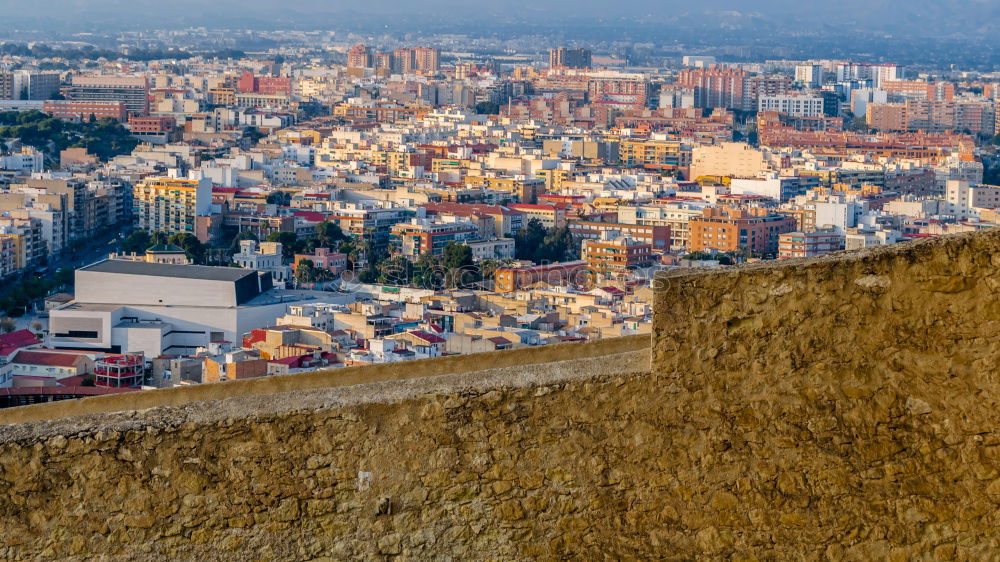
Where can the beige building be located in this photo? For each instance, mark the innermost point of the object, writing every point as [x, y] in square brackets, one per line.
[733, 159]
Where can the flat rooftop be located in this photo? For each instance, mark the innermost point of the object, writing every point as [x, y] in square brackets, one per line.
[203, 272]
[90, 306]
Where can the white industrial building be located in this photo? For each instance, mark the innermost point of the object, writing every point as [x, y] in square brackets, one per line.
[164, 309]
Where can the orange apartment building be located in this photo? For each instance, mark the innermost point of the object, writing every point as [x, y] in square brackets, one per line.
[617, 256]
[214, 370]
[937, 116]
[715, 86]
[920, 90]
[509, 279]
[727, 229]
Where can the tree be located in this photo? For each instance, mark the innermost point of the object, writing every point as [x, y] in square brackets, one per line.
[368, 275]
[279, 198]
[64, 277]
[428, 272]
[193, 248]
[488, 267]
[137, 242]
[457, 256]
[7, 325]
[487, 108]
[327, 233]
[396, 270]
[253, 134]
[307, 272]
[304, 271]
[288, 240]
[558, 245]
[240, 236]
[158, 238]
[528, 239]
[458, 264]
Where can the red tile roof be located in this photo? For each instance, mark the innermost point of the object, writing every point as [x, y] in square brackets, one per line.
[530, 207]
[467, 209]
[427, 337]
[311, 216]
[47, 358]
[295, 361]
[9, 343]
[613, 290]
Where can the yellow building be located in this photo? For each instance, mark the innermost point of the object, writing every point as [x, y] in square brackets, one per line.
[656, 154]
[171, 205]
[554, 178]
[443, 164]
[222, 96]
[24, 242]
[526, 190]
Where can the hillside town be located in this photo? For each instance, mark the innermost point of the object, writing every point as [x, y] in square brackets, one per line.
[212, 218]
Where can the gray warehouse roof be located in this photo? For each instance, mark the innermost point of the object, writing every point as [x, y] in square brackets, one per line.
[203, 272]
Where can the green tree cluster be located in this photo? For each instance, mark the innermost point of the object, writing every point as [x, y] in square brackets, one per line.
[105, 138]
[536, 243]
[17, 295]
[307, 272]
[140, 240]
[279, 198]
[328, 235]
[454, 268]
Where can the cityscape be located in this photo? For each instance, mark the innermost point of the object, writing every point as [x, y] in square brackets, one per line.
[193, 206]
[534, 280]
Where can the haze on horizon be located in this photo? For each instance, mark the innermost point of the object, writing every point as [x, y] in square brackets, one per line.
[903, 17]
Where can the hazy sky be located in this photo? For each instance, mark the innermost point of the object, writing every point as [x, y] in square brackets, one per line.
[921, 16]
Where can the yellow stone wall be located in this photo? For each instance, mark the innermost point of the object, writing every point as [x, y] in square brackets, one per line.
[846, 406]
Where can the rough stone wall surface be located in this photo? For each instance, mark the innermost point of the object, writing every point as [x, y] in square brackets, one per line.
[538, 462]
[840, 408]
[845, 407]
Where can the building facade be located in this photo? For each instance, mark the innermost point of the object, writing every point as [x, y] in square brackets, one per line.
[171, 205]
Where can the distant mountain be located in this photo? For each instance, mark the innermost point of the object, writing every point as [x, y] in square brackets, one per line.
[910, 18]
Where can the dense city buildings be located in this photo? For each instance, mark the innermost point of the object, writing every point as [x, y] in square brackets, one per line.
[527, 280]
[357, 200]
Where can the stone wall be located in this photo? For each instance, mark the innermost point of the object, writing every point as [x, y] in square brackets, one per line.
[837, 408]
[848, 406]
[534, 462]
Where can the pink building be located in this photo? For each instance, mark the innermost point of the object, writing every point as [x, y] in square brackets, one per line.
[333, 262]
[250, 83]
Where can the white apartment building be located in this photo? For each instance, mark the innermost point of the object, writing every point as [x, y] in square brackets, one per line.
[963, 200]
[794, 106]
